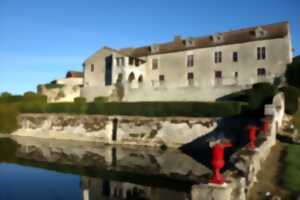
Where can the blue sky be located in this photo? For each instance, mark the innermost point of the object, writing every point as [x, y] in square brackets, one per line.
[41, 40]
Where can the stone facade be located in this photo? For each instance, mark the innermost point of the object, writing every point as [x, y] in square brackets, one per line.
[64, 89]
[203, 70]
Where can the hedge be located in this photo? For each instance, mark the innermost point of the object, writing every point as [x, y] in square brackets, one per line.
[164, 109]
[27, 97]
[159, 109]
[101, 99]
[292, 95]
[8, 118]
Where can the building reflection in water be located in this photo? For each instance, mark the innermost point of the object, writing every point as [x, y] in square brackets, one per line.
[98, 189]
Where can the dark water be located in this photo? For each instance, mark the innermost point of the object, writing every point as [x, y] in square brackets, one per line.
[43, 170]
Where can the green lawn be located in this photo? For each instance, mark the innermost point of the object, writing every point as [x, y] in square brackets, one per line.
[296, 120]
[291, 173]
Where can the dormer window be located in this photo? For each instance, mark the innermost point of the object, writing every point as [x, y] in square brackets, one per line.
[218, 37]
[260, 32]
[154, 48]
[189, 42]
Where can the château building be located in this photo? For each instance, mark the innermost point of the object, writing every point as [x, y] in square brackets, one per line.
[190, 69]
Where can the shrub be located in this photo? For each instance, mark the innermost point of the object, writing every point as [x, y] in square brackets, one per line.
[292, 95]
[260, 94]
[80, 100]
[100, 99]
[11, 99]
[5, 94]
[32, 97]
[80, 105]
[8, 118]
[292, 74]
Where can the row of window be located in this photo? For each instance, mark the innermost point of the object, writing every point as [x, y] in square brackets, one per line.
[120, 61]
[261, 55]
[261, 72]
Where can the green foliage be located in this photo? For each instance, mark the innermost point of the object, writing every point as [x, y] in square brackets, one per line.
[261, 94]
[291, 171]
[163, 109]
[80, 100]
[80, 105]
[292, 95]
[100, 99]
[8, 118]
[62, 108]
[5, 94]
[292, 74]
[10, 99]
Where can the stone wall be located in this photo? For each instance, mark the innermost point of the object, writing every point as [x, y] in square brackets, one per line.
[147, 131]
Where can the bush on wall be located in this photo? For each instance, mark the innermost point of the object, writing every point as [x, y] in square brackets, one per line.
[292, 95]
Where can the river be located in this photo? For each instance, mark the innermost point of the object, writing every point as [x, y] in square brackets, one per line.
[50, 169]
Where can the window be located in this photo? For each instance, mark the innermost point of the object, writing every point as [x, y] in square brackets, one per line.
[218, 74]
[190, 77]
[261, 72]
[218, 57]
[235, 56]
[120, 61]
[154, 63]
[261, 53]
[131, 61]
[190, 60]
[236, 74]
[161, 79]
[92, 67]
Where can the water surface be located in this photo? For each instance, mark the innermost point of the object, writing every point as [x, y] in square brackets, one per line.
[46, 169]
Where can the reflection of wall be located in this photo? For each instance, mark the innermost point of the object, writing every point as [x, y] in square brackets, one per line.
[139, 160]
[98, 189]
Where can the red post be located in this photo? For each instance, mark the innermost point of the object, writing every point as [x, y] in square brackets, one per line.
[252, 137]
[218, 162]
[266, 127]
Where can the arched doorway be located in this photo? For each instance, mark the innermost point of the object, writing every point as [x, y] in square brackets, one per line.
[131, 77]
[140, 79]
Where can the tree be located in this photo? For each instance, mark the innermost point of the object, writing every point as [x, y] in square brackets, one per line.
[292, 74]
[6, 94]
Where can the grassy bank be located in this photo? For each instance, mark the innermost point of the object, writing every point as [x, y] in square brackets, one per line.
[291, 172]
[296, 120]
